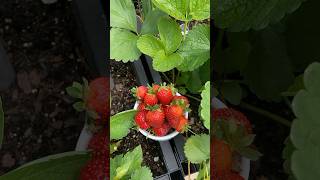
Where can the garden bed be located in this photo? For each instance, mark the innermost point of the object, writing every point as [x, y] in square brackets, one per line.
[42, 46]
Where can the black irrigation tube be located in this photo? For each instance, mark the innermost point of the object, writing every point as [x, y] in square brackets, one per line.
[91, 18]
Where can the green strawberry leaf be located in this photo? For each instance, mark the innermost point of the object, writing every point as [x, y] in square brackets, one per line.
[196, 48]
[269, 70]
[232, 92]
[127, 164]
[295, 87]
[123, 15]
[121, 124]
[163, 62]
[76, 90]
[197, 148]
[149, 25]
[199, 9]
[149, 45]
[305, 130]
[146, 8]
[256, 14]
[170, 34]
[123, 45]
[205, 105]
[79, 106]
[142, 173]
[175, 8]
[1, 123]
[64, 166]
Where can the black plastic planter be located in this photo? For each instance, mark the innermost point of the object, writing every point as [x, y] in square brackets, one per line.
[7, 74]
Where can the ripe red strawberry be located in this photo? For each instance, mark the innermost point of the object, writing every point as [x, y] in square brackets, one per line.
[229, 175]
[150, 99]
[165, 95]
[173, 114]
[140, 120]
[229, 114]
[221, 157]
[164, 108]
[155, 118]
[182, 124]
[98, 143]
[97, 98]
[180, 100]
[155, 87]
[139, 92]
[141, 106]
[96, 169]
[163, 130]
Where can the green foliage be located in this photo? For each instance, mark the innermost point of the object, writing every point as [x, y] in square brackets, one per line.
[205, 105]
[123, 45]
[1, 123]
[76, 90]
[305, 131]
[256, 14]
[197, 148]
[185, 10]
[64, 166]
[163, 50]
[196, 48]
[129, 166]
[121, 124]
[150, 22]
[123, 15]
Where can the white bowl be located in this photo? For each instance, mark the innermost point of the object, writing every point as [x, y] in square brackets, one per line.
[245, 163]
[159, 138]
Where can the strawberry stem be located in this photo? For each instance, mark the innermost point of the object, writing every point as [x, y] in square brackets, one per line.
[189, 170]
[195, 98]
[265, 113]
[166, 77]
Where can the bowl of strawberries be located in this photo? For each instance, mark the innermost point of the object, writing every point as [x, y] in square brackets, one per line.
[162, 113]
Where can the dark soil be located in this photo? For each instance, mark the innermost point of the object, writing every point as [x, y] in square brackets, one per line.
[124, 80]
[42, 45]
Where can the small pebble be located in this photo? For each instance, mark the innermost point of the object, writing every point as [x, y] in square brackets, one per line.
[156, 159]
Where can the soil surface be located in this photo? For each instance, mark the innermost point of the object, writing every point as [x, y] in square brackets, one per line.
[41, 43]
[124, 79]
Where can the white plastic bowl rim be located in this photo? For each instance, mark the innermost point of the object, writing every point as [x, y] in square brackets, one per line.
[159, 138]
[245, 163]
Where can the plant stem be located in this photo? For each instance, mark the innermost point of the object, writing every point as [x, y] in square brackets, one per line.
[195, 98]
[166, 77]
[192, 131]
[173, 78]
[189, 170]
[185, 29]
[268, 114]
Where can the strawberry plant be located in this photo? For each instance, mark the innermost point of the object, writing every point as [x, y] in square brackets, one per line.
[265, 53]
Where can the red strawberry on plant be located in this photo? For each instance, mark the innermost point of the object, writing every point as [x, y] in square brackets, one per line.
[229, 175]
[98, 143]
[173, 114]
[233, 115]
[155, 117]
[140, 120]
[182, 124]
[96, 169]
[139, 92]
[150, 99]
[165, 95]
[221, 157]
[98, 97]
[163, 130]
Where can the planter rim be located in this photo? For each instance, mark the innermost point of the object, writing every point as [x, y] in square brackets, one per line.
[159, 138]
[245, 163]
